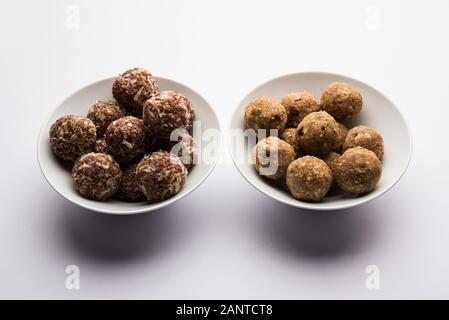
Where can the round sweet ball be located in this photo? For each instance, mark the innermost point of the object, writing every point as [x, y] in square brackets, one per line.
[298, 105]
[265, 114]
[341, 101]
[309, 178]
[71, 136]
[363, 136]
[342, 132]
[100, 146]
[331, 161]
[166, 111]
[272, 157]
[186, 148]
[317, 133]
[160, 175]
[126, 139]
[129, 190]
[96, 176]
[358, 170]
[290, 136]
[103, 112]
[132, 88]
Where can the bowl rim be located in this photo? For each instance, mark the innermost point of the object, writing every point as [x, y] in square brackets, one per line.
[145, 209]
[310, 205]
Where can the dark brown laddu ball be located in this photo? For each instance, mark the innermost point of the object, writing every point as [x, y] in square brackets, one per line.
[358, 170]
[129, 189]
[185, 147]
[72, 136]
[160, 175]
[318, 133]
[132, 88]
[341, 101]
[96, 176]
[265, 114]
[167, 111]
[126, 139]
[103, 112]
[100, 146]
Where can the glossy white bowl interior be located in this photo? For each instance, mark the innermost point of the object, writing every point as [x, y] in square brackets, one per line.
[378, 112]
[58, 174]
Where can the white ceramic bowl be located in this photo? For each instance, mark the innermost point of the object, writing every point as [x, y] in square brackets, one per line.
[59, 177]
[378, 112]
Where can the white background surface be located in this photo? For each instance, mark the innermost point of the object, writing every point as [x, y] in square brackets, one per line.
[225, 240]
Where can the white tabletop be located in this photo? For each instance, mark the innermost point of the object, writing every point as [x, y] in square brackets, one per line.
[225, 240]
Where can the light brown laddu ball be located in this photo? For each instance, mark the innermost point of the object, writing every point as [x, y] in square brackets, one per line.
[126, 139]
[342, 132]
[298, 105]
[363, 136]
[331, 161]
[265, 114]
[318, 133]
[160, 175]
[358, 170]
[290, 136]
[72, 136]
[103, 112]
[272, 157]
[341, 101]
[309, 178]
[132, 88]
[96, 176]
